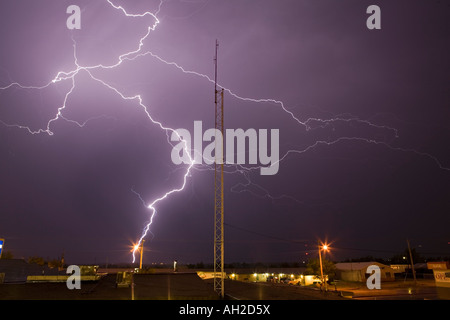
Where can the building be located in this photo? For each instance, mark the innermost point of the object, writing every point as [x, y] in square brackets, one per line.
[18, 270]
[441, 272]
[294, 276]
[400, 268]
[356, 271]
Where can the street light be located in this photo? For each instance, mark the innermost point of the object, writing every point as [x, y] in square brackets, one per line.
[324, 248]
[142, 253]
[138, 247]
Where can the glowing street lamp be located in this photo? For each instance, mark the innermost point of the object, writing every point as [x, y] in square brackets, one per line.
[324, 248]
[136, 247]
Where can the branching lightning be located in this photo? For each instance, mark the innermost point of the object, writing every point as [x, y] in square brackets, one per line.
[308, 124]
[71, 75]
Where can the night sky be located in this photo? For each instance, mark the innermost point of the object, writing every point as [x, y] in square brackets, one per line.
[371, 166]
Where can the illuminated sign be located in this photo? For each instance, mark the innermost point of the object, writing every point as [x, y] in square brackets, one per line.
[2, 242]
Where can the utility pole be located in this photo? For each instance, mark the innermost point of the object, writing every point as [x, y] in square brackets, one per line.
[132, 286]
[412, 262]
[218, 188]
[324, 247]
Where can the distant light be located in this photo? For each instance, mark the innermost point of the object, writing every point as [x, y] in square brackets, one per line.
[325, 247]
[255, 274]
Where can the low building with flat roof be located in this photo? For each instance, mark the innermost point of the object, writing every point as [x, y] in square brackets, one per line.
[356, 271]
[441, 272]
[17, 270]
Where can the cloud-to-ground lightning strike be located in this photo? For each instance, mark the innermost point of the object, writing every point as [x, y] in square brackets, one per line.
[62, 75]
[308, 124]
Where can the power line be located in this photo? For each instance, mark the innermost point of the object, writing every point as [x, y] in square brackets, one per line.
[265, 235]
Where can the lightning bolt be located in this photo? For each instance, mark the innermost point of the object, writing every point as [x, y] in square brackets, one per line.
[308, 124]
[71, 75]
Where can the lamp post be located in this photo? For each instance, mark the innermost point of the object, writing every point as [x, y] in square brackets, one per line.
[142, 253]
[324, 248]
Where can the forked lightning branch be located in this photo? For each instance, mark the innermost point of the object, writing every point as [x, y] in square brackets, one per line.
[258, 148]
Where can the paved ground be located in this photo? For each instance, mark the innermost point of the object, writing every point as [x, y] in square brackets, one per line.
[423, 289]
[272, 291]
[162, 286]
[398, 290]
[188, 286]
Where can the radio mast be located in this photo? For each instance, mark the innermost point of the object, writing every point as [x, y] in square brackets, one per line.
[219, 273]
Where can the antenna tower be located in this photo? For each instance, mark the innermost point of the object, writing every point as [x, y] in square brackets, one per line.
[219, 274]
